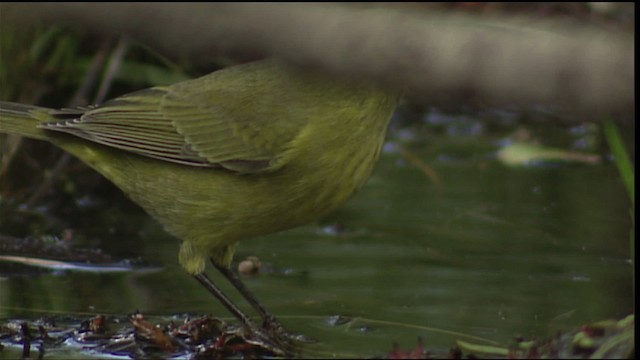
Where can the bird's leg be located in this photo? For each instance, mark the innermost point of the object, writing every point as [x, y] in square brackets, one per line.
[274, 344]
[213, 289]
[270, 321]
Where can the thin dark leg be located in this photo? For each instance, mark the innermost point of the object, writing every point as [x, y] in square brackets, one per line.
[270, 321]
[275, 344]
[211, 286]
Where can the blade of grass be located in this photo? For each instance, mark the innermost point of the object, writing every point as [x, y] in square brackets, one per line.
[622, 158]
[625, 168]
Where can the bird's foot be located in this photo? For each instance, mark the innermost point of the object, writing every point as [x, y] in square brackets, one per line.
[277, 330]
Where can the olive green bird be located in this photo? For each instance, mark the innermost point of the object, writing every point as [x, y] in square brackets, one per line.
[245, 151]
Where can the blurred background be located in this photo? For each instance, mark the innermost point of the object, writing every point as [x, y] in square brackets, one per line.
[497, 210]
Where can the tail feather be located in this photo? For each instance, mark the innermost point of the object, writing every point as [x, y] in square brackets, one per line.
[23, 120]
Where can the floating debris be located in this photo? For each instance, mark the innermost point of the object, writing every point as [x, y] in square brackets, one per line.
[203, 338]
[609, 339]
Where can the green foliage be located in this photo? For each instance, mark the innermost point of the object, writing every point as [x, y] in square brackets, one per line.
[37, 60]
[621, 158]
[48, 63]
[625, 168]
[143, 74]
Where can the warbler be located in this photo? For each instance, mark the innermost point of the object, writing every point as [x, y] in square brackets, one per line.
[247, 150]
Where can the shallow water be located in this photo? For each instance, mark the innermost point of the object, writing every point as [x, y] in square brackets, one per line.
[492, 252]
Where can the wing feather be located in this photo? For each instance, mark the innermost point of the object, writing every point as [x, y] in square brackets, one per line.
[194, 123]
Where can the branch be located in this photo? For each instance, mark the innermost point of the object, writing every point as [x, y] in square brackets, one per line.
[435, 57]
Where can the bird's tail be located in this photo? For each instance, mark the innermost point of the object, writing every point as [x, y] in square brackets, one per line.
[23, 120]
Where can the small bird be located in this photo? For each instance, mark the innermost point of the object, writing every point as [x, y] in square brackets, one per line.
[245, 151]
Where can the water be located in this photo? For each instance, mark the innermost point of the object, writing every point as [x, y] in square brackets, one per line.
[491, 252]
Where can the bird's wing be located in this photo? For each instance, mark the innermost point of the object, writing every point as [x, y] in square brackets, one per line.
[171, 124]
